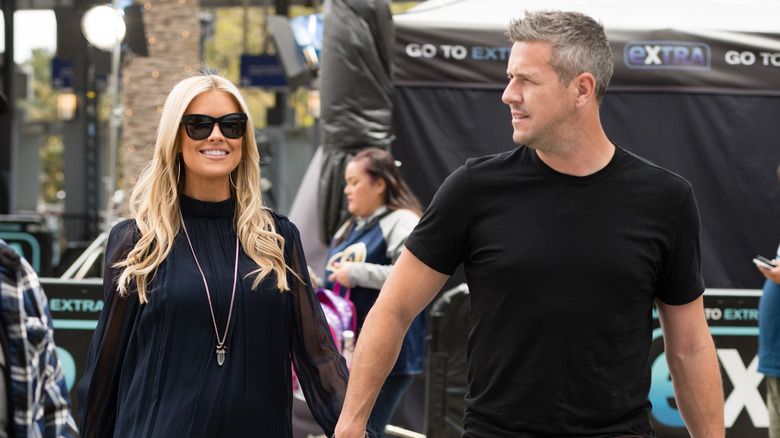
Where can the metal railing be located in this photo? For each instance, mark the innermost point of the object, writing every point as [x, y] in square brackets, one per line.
[86, 260]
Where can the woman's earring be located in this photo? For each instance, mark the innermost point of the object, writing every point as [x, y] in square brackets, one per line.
[178, 173]
[230, 177]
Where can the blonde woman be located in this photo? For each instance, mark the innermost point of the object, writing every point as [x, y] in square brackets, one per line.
[208, 302]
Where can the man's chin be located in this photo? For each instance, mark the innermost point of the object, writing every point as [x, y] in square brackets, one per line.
[518, 138]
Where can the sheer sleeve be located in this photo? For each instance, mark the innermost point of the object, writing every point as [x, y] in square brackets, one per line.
[97, 390]
[321, 370]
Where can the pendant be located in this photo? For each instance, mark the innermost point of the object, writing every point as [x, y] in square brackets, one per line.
[221, 355]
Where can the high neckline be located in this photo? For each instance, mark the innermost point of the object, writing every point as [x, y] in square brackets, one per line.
[194, 207]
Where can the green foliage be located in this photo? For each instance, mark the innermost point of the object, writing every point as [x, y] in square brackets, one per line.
[227, 41]
[397, 7]
[52, 169]
[42, 106]
[224, 47]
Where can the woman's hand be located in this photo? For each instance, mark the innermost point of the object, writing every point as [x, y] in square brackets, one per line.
[341, 275]
[771, 274]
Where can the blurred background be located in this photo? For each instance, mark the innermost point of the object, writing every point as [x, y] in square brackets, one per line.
[65, 125]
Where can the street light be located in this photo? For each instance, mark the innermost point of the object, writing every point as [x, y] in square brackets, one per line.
[103, 26]
[66, 106]
[105, 29]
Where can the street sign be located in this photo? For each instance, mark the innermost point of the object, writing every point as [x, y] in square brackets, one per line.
[61, 73]
[263, 71]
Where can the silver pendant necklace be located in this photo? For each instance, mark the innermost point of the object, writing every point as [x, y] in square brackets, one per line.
[221, 348]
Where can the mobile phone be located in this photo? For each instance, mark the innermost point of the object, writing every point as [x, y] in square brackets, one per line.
[764, 262]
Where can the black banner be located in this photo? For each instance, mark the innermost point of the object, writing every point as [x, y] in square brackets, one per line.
[665, 58]
[725, 145]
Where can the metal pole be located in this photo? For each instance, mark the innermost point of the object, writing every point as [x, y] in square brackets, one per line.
[8, 138]
[113, 131]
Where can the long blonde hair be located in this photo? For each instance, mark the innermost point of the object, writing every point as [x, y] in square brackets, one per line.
[154, 202]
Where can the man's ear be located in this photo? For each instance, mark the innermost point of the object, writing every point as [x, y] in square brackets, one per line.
[585, 86]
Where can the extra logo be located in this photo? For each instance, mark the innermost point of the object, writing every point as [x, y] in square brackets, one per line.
[667, 55]
[732, 316]
[739, 364]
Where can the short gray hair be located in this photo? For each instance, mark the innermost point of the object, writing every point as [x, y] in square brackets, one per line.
[579, 44]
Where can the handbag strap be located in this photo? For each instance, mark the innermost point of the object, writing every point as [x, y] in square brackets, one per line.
[337, 290]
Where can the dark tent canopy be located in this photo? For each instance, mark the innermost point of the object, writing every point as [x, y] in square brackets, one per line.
[695, 90]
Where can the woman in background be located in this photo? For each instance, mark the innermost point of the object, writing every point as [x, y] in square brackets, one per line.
[363, 251]
[207, 296]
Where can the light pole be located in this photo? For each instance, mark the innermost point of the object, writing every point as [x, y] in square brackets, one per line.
[104, 28]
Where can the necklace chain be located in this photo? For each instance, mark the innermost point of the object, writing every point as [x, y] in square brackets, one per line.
[221, 349]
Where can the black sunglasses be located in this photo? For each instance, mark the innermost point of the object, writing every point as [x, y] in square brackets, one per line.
[200, 126]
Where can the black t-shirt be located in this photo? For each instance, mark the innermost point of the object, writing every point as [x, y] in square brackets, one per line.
[562, 274]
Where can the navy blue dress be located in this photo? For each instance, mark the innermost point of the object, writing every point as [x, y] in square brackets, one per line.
[152, 369]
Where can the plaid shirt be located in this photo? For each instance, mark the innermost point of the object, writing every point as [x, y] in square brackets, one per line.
[38, 393]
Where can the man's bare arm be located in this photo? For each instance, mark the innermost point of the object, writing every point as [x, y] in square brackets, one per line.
[407, 291]
[693, 364]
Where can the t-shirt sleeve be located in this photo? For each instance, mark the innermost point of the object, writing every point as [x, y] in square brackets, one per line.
[681, 280]
[440, 239]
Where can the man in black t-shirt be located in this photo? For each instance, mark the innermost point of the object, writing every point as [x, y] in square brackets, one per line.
[566, 242]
